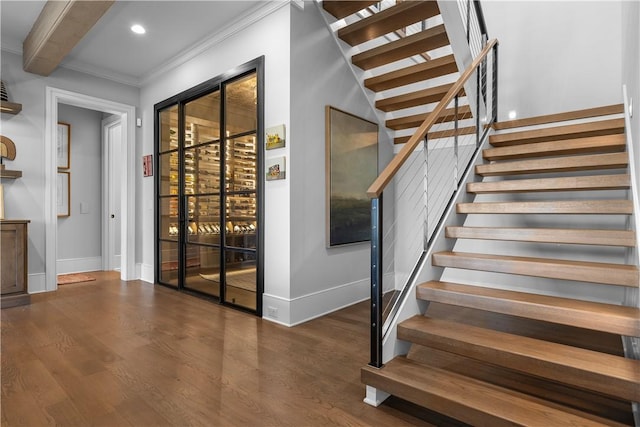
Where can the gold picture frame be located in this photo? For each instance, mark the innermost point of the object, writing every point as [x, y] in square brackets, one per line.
[64, 194]
[63, 141]
[351, 166]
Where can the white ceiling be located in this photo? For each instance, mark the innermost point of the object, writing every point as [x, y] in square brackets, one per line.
[111, 50]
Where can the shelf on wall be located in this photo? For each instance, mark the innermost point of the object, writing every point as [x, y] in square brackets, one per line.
[4, 173]
[10, 107]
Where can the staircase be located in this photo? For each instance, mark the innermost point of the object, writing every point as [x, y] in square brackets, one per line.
[530, 336]
[487, 355]
[393, 48]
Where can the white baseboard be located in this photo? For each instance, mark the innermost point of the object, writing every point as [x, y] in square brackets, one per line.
[145, 272]
[291, 312]
[37, 283]
[78, 265]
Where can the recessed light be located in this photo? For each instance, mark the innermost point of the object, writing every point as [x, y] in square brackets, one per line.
[512, 114]
[138, 29]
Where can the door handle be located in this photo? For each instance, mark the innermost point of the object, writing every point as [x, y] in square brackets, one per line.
[113, 216]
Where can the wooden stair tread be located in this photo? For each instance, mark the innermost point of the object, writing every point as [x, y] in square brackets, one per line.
[591, 207]
[571, 183]
[565, 311]
[341, 8]
[561, 117]
[413, 99]
[591, 370]
[597, 128]
[413, 121]
[416, 73]
[598, 144]
[406, 47]
[546, 235]
[593, 272]
[447, 133]
[483, 403]
[572, 399]
[555, 164]
[393, 18]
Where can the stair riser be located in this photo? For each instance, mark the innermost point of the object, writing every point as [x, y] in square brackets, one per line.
[587, 273]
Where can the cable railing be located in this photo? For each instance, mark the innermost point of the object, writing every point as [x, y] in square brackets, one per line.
[409, 198]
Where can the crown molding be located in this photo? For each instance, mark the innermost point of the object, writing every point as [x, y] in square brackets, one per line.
[243, 21]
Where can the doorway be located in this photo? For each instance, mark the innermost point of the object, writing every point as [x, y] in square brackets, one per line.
[54, 97]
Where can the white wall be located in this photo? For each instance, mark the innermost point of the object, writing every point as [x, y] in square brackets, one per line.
[631, 68]
[24, 198]
[268, 36]
[556, 55]
[322, 279]
[79, 235]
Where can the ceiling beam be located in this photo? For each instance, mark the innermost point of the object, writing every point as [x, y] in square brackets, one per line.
[60, 26]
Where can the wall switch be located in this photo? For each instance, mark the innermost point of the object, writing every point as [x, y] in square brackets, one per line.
[84, 207]
[138, 122]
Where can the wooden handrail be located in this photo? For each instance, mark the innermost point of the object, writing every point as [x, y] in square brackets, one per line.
[396, 163]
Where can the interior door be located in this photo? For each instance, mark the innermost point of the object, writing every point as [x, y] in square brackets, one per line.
[112, 146]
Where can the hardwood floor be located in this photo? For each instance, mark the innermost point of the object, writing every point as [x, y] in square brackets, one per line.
[114, 353]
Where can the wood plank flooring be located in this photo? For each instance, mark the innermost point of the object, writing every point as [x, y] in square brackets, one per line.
[114, 353]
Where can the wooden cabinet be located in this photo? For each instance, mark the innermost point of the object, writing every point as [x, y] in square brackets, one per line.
[13, 263]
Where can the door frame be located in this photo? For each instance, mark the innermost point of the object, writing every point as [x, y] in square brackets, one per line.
[108, 247]
[53, 97]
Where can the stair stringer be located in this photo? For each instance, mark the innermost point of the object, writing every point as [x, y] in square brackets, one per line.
[410, 306]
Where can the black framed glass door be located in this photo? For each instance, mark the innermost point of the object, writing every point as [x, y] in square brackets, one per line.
[209, 189]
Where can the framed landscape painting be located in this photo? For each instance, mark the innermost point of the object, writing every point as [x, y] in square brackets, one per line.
[351, 167]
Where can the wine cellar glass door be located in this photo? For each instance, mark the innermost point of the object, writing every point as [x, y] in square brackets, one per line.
[208, 191]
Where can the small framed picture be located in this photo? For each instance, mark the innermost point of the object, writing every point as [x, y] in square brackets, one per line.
[147, 165]
[64, 145]
[276, 137]
[276, 168]
[64, 194]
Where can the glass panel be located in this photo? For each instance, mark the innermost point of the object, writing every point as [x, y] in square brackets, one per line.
[202, 169]
[202, 120]
[168, 263]
[241, 221]
[241, 105]
[169, 218]
[169, 129]
[241, 156]
[203, 269]
[205, 226]
[168, 174]
[240, 275]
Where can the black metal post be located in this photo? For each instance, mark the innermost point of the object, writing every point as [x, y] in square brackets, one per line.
[495, 83]
[376, 282]
[478, 82]
[455, 138]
